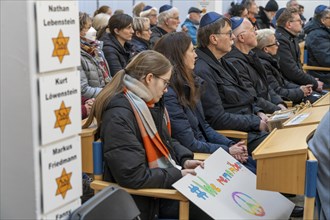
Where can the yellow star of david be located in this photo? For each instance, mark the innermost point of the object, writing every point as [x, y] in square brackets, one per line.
[62, 117]
[63, 183]
[60, 46]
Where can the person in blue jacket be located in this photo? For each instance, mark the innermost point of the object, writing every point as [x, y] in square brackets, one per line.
[183, 103]
[191, 23]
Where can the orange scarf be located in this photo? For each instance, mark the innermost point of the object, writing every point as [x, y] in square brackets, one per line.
[139, 96]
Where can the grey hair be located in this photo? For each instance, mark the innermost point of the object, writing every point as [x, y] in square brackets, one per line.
[100, 21]
[288, 4]
[162, 17]
[148, 12]
[263, 37]
[322, 15]
[138, 23]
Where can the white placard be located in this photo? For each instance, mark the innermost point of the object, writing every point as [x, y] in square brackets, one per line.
[225, 189]
[64, 212]
[298, 119]
[58, 34]
[61, 173]
[60, 105]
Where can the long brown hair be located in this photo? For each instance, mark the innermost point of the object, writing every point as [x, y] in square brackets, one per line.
[147, 61]
[174, 46]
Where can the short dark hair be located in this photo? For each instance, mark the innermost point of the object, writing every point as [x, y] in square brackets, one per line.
[204, 33]
[236, 9]
[119, 21]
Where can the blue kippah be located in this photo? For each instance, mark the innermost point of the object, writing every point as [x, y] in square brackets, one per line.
[278, 13]
[164, 8]
[319, 9]
[236, 22]
[209, 18]
[146, 8]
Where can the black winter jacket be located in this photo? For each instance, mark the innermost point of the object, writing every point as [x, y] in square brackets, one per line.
[139, 44]
[190, 128]
[289, 54]
[226, 102]
[288, 90]
[125, 157]
[116, 55]
[157, 33]
[262, 19]
[253, 75]
[317, 44]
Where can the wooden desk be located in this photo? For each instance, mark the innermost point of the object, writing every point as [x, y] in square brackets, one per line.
[87, 139]
[324, 100]
[314, 116]
[281, 160]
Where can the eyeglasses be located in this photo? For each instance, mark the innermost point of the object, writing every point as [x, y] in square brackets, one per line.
[327, 18]
[166, 82]
[276, 43]
[175, 18]
[299, 20]
[230, 33]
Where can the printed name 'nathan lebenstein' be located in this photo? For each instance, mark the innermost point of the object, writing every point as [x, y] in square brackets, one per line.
[65, 21]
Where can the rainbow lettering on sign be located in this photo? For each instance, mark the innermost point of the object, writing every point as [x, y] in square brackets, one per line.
[248, 204]
[204, 190]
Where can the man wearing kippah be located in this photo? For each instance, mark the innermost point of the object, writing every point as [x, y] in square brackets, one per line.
[318, 43]
[168, 21]
[226, 102]
[250, 68]
[151, 13]
[288, 29]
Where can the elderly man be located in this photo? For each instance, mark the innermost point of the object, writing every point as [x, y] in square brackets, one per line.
[249, 66]
[192, 22]
[151, 13]
[288, 29]
[226, 102]
[318, 43]
[168, 21]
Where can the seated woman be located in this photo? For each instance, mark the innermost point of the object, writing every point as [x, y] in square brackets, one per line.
[116, 48]
[188, 122]
[141, 37]
[94, 71]
[266, 50]
[134, 127]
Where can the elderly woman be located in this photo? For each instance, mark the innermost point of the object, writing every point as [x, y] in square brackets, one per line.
[151, 13]
[134, 127]
[116, 48]
[318, 43]
[168, 21]
[266, 50]
[99, 22]
[141, 37]
[94, 70]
